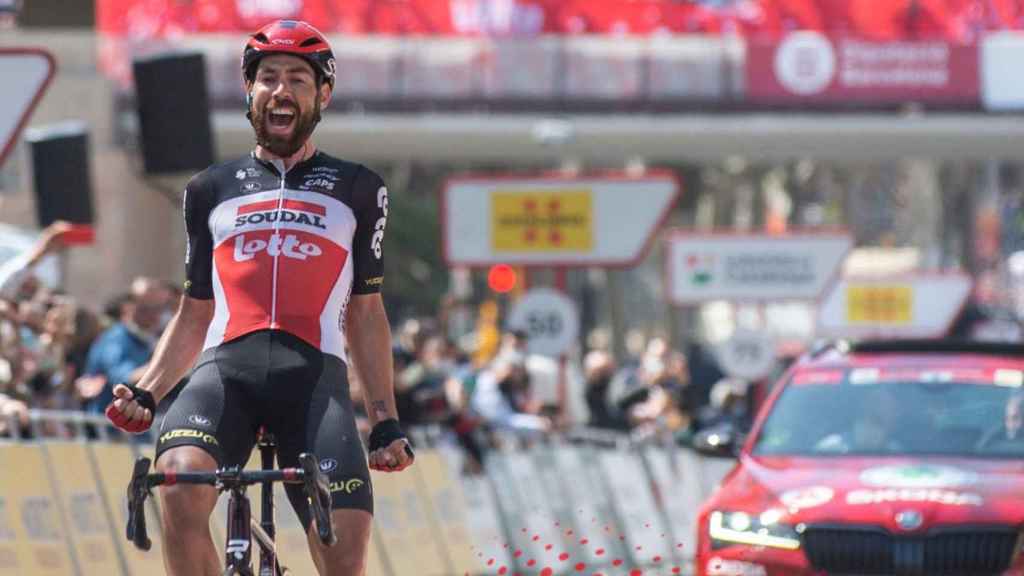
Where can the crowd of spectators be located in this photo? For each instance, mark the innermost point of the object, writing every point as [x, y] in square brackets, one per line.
[951, 20]
[56, 354]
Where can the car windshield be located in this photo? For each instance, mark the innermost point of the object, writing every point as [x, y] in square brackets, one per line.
[950, 418]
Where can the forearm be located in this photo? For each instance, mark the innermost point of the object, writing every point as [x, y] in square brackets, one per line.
[178, 348]
[370, 354]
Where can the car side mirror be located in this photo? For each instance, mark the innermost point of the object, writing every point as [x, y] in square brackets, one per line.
[719, 441]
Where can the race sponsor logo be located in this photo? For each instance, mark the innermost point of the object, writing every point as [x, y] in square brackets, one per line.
[917, 476]
[328, 464]
[347, 486]
[809, 497]
[722, 567]
[382, 222]
[699, 268]
[375, 281]
[289, 246]
[325, 169]
[805, 63]
[39, 519]
[240, 175]
[291, 212]
[325, 183]
[543, 221]
[205, 437]
[251, 187]
[933, 495]
[198, 420]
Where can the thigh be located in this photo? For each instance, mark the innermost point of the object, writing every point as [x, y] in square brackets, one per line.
[325, 425]
[210, 414]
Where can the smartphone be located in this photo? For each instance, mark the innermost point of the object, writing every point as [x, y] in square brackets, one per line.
[79, 234]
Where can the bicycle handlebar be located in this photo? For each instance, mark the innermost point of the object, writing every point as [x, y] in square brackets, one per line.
[314, 483]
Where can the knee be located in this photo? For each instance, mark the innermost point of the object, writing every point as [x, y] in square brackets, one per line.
[185, 504]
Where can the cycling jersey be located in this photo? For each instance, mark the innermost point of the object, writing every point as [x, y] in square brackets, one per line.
[284, 249]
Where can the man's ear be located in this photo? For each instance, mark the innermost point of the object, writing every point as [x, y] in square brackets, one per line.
[325, 95]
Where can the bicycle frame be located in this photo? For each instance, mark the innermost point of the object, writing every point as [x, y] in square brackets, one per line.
[241, 527]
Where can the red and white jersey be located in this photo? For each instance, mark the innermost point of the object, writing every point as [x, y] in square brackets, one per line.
[284, 251]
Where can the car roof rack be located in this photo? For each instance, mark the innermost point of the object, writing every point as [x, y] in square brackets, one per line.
[939, 346]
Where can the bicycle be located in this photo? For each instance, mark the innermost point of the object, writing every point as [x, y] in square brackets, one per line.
[241, 526]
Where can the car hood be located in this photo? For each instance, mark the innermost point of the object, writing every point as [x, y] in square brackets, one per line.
[878, 491]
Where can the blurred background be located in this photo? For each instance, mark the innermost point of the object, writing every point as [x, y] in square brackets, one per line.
[891, 127]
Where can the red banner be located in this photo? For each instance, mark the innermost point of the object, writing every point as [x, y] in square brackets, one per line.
[808, 67]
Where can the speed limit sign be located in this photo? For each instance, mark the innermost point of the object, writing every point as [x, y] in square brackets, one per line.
[550, 320]
[748, 355]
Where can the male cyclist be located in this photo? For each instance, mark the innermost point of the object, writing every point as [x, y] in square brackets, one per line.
[283, 285]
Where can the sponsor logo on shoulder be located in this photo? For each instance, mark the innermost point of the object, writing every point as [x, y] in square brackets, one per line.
[325, 169]
[319, 183]
[252, 187]
[240, 175]
[199, 420]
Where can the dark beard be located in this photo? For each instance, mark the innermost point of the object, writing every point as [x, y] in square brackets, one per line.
[280, 146]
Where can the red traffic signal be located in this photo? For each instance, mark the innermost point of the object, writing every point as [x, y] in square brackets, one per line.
[501, 278]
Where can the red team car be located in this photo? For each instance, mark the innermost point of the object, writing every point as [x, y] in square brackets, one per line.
[897, 458]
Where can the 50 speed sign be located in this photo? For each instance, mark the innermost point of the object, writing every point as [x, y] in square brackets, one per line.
[550, 320]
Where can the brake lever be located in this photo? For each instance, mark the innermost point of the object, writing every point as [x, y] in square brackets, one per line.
[318, 491]
[138, 490]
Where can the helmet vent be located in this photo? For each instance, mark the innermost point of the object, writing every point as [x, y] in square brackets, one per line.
[261, 38]
[313, 41]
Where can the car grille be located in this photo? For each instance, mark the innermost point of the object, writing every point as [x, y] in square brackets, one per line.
[863, 551]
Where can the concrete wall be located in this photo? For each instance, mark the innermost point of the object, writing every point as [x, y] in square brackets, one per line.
[139, 230]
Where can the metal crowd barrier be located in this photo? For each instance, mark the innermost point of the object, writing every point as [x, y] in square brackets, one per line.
[580, 501]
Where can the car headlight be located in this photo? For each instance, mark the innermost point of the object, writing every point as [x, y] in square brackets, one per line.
[743, 528]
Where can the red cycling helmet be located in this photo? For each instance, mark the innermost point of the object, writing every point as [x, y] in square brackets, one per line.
[289, 37]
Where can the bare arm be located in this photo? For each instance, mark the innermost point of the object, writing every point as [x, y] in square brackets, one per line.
[179, 346]
[369, 342]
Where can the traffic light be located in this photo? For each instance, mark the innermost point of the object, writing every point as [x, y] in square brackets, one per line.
[501, 278]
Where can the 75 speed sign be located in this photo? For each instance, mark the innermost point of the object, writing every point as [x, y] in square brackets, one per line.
[550, 320]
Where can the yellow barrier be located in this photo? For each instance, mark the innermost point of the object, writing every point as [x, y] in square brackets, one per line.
[33, 541]
[447, 505]
[114, 467]
[407, 536]
[89, 522]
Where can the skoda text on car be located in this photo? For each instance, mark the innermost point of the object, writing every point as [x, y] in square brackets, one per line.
[901, 458]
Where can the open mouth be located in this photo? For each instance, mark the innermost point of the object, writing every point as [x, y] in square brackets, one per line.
[280, 119]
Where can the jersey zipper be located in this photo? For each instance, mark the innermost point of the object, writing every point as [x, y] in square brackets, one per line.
[276, 234]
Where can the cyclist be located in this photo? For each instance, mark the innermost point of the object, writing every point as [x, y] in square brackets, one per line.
[284, 253]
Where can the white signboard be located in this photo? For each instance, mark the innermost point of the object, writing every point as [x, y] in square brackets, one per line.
[748, 354]
[1000, 51]
[28, 72]
[554, 221]
[752, 267]
[549, 318]
[908, 306]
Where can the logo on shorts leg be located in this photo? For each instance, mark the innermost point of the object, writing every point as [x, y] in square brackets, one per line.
[198, 420]
[328, 464]
[187, 433]
[347, 486]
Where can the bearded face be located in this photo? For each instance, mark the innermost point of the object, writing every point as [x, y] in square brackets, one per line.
[284, 107]
[282, 127]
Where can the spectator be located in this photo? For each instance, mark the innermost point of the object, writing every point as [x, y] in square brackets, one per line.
[598, 369]
[120, 354]
[503, 396]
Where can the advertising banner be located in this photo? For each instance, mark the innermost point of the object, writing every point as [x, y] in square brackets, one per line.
[910, 306]
[553, 221]
[752, 267]
[808, 66]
